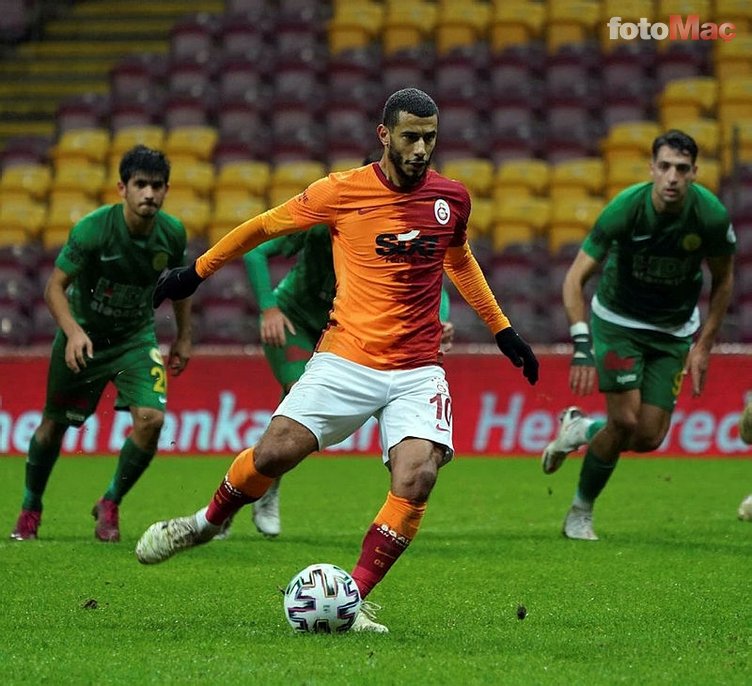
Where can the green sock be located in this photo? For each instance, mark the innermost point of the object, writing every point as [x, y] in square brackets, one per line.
[594, 476]
[39, 464]
[595, 426]
[132, 463]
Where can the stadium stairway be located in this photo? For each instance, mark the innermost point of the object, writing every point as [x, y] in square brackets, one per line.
[75, 54]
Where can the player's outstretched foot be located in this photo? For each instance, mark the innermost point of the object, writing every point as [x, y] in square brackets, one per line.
[578, 524]
[571, 436]
[266, 512]
[27, 526]
[224, 531]
[365, 620]
[107, 528]
[745, 509]
[163, 539]
[745, 424]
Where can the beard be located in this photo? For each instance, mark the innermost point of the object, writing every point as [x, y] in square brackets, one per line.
[406, 178]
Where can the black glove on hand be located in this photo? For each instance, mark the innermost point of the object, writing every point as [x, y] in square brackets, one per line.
[176, 284]
[519, 352]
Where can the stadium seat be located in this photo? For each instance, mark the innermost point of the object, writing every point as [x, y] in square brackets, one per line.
[457, 79]
[680, 60]
[193, 210]
[570, 23]
[127, 137]
[195, 141]
[240, 79]
[519, 220]
[621, 173]
[515, 22]
[24, 150]
[581, 177]
[630, 139]
[688, 98]
[460, 26]
[34, 179]
[737, 12]
[476, 173]
[197, 176]
[297, 85]
[736, 144]
[89, 178]
[734, 99]
[354, 25]
[407, 24]
[130, 76]
[573, 213]
[706, 132]
[181, 110]
[481, 217]
[252, 176]
[81, 112]
[230, 213]
[709, 173]
[288, 179]
[733, 58]
[188, 76]
[21, 218]
[519, 178]
[82, 145]
[193, 36]
[629, 11]
[63, 212]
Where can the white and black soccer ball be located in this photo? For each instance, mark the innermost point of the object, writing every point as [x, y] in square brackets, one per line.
[323, 598]
[745, 509]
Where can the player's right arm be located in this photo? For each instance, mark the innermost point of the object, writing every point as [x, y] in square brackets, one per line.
[78, 346]
[274, 323]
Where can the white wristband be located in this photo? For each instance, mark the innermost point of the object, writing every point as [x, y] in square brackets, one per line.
[579, 329]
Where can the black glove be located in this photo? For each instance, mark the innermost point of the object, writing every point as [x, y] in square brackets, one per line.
[519, 352]
[176, 284]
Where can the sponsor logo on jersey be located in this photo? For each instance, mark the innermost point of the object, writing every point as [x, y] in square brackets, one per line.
[406, 247]
[626, 378]
[691, 242]
[159, 262]
[613, 363]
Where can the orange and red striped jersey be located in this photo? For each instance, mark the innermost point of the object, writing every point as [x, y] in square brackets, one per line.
[389, 247]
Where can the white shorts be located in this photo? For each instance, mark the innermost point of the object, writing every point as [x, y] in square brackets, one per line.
[334, 397]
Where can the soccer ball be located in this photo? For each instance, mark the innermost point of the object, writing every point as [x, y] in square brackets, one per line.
[745, 509]
[323, 598]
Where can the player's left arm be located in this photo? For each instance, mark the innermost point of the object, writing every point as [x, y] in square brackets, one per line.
[180, 350]
[465, 273]
[721, 288]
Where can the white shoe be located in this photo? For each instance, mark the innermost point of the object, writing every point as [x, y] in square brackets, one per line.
[745, 509]
[163, 539]
[570, 437]
[365, 620]
[266, 512]
[578, 524]
[745, 424]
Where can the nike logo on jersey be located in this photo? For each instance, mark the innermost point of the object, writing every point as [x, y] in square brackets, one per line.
[379, 551]
[636, 239]
[109, 258]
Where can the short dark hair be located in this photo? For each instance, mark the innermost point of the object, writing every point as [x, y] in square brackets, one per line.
[410, 100]
[146, 160]
[678, 140]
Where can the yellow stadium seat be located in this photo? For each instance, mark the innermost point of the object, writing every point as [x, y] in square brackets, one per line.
[11, 237]
[124, 139]
[290, 178]
[735, 99]
[91, 145]
[518, 216]
[626, 172]
[702, 8]
[19, 213]
[579, 213]
[733, 58]
[197, 176]
[630, 11]
[191, 141]
[355, 24]
[709, 173]
[578, 177]
[481, 216]
[228, 214]
[570, 22]
[189, 208]
[460, 25]
[407, 25]
[89, 178]
[250, 175]
[32, 178]
[688, 98]
[475, 173]
[736, 144]
[521, 177]
[736, 12]
[504, 235]
[630, 139]
[345, 163]
[706, 132]
[515, 22]
[64, 210]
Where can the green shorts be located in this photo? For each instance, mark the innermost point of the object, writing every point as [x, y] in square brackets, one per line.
[628, 359]
[135, 367]
[289, 361]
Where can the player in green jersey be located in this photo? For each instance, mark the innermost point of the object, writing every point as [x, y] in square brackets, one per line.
[100, 294]
[652, 240]
[293, 315]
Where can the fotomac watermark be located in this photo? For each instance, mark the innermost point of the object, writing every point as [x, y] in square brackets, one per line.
[677, 28]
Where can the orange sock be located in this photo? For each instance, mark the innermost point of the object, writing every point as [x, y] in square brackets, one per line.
[242, 485]
[387, 538]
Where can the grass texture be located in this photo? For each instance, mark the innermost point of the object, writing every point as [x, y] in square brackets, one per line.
[662, 598]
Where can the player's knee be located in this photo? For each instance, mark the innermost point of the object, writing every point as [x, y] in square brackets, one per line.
[646, 442]
[148, 422]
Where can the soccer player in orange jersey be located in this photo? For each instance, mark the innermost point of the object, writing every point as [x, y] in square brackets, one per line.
[396, 226]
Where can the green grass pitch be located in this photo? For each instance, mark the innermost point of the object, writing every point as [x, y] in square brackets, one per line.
[663, 598]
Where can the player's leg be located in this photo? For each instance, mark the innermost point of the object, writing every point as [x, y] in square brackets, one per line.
[140, 378]
[70, 399]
